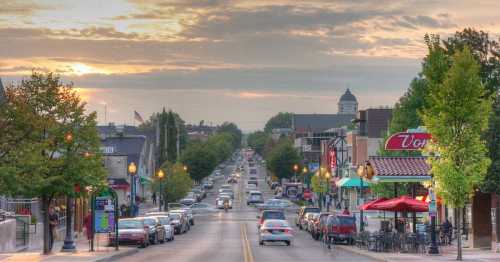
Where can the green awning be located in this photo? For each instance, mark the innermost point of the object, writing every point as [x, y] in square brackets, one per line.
[145, 180]
[347, 182]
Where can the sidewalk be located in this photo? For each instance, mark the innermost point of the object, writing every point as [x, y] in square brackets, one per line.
[102, 253]
[447, 254]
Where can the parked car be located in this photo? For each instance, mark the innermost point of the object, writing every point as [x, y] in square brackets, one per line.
[131, 231]
[302, 211]
[187, 201]
[255, 197]
[219, 202]
[186, 212]
[232, 180]
[179, 221]
[200, 192]
[156, 230]
[341, 228]
[274, 230]
[274, 185]
[319, 226]
[306, 220]
[270, 214]
[165, 222]
[312, 221]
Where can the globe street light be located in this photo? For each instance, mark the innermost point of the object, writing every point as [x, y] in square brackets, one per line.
[304, 172]
[295, 169]
[69, 243]
[132, 170]
[160, 175]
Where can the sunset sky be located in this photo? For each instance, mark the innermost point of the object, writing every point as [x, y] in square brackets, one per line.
[222, 60]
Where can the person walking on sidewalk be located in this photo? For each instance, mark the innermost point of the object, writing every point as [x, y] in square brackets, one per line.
[328, 202]
[53, 221]
[153, 197]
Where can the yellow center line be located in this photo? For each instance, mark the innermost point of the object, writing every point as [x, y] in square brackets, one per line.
[247, 251]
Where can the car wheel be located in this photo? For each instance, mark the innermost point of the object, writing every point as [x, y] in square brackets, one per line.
[287, 243]
[143, 245]
[261, 243]
[300, 227]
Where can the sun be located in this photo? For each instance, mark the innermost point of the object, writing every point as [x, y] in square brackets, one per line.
[81, 69]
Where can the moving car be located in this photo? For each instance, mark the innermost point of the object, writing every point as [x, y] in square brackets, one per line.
[156, 230]
[255, 197]
[131, 231]
[179, 221]
[276, 204]
[187, 201]
[229, 192]
[302, 211]
[341, 228]
[253, 180]
[250, 187]
[219, 202]
[274, 230]
[270, 214]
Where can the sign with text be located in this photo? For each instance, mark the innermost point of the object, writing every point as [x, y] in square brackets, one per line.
[104, 218]
[407, 141]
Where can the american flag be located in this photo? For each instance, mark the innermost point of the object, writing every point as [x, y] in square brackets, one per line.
[138, 117]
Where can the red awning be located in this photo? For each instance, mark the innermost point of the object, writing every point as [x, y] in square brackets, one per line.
[402, 204]
[369, 205]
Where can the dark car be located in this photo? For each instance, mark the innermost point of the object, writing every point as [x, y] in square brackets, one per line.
[270, 214]
[319, 225]
[131, 231]
[156, 229]
[341, 228]
[302, 211]
[179, 221]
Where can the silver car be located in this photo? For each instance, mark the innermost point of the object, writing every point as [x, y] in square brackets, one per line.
[165, 222]
[273, 230]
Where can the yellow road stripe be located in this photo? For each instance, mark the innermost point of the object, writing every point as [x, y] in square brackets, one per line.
[247, 251]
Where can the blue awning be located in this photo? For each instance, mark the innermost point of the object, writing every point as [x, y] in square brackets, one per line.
[350, 182]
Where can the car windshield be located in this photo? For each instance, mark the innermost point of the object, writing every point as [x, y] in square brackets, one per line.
[344, 221]
[150, 221]
[224, 197]
[129, 224]
[274, 215]
[276, 223]
[164, 220]
[312, 210]
[174, 216]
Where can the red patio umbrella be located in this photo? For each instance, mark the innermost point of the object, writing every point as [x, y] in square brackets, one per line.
[402, 204]
[369, 205]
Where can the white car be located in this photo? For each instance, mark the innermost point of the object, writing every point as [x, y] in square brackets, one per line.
[274, 230]
[169, 229]
[250, 187]
[219, 202]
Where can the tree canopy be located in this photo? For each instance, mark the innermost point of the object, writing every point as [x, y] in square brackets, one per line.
[282, 158]
[176, 183]
[281, 120]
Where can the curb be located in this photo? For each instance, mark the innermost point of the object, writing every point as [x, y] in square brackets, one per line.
[117, 256]
[362, 253]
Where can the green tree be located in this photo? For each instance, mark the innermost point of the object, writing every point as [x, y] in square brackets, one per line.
[171, 134]
[175, 185]
[281, 120]
[57, 145]
[492, 180]
[463, 160]
[221, 145]
[200, 161]
[282, 158]
[257, 141]
[234, 131]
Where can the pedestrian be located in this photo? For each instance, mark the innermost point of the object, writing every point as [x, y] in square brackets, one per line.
[87, 222]
[346, 211]
[53, 221]
[153, 197]
[328, 201]
[447, 230]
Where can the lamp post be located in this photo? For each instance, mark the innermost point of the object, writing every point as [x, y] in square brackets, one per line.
[304, 172]
[160, 175]
[69, 243]
[132, 170]
[364, 171]
[295, 169]
[327, 176]
[433, 248]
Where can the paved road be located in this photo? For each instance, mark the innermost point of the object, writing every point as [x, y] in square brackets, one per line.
[232, 236]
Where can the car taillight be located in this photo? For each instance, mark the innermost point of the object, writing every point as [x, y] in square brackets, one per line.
[287, 231]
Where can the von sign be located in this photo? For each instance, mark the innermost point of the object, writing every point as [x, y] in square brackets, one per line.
[407, 141]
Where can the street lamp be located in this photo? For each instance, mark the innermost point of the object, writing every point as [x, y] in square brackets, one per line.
[295, 169]
[160, 175]
[364, 171]
[69, 243]
[185, 168]
[132, 170]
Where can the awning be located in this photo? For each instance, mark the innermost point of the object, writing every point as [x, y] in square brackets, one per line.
[145, 180]
[118, 183]
[347, 182]
[399, 169]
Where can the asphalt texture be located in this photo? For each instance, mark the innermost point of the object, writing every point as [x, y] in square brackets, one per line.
[232, 236]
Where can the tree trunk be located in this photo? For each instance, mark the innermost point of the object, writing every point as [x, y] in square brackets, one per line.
[459, 234]
[46, 228]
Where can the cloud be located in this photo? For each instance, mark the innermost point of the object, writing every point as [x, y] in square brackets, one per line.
[20, 7]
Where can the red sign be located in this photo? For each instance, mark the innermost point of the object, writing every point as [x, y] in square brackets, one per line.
[407, 141]
[332, 158]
